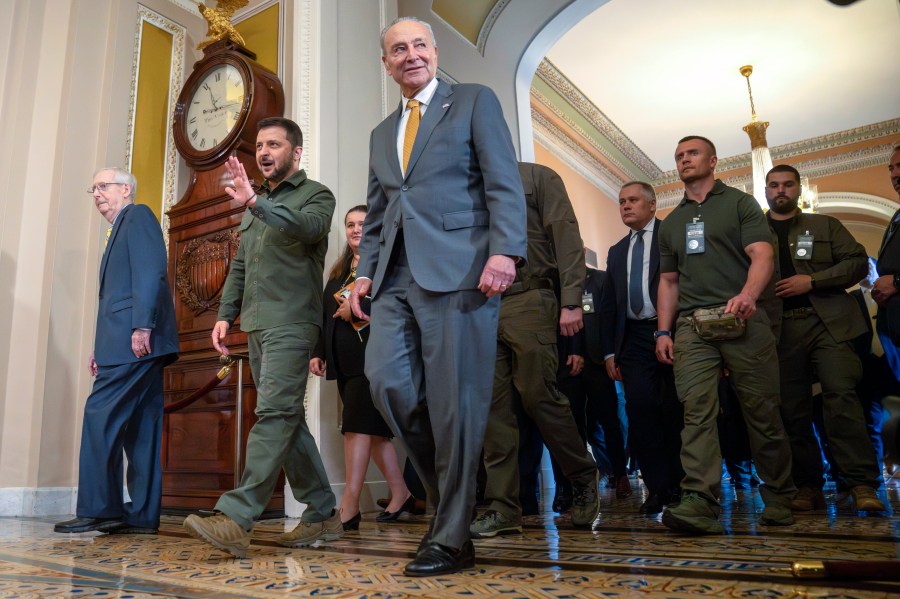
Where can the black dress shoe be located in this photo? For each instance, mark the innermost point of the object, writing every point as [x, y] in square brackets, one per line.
[352, 523]
[436, 559]
[125, 529]
[88, 525]
[654, 505]
[408, 506]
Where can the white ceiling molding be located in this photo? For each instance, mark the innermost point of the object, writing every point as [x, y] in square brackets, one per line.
[188, 5]
[583, 136]
[488, 24]
[561, 145]
[548, 73]
[821, 167]
[857, 203]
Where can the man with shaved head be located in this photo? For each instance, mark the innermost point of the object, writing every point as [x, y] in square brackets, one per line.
[716, 261]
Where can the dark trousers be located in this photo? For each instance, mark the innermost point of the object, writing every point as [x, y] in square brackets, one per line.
[595, 405]
[807, 349]
[655, 416]
[441, 346]
[123, 412]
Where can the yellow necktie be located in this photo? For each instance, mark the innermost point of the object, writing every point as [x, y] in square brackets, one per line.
[412, 127]
[108, 233]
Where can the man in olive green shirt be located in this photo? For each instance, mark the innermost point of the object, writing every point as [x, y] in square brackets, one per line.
[275, 286]
[525, 369]
[716, 250]
[817, 259]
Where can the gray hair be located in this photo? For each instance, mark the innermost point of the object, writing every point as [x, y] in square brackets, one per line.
[400, 20]
[120, 175]
[649, 192]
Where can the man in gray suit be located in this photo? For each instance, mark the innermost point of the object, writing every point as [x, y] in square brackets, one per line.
[445, 228]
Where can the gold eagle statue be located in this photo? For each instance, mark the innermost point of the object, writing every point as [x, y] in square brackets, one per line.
[219, 20]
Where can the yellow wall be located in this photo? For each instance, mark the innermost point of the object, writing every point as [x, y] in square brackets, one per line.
[151, 116]
[260, 32]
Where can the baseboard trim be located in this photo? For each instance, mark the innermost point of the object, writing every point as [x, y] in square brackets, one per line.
[28, 502]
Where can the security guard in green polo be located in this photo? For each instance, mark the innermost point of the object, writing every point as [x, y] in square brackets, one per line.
[816, 260]
[275, 285]
[526, 363]
[716, 250]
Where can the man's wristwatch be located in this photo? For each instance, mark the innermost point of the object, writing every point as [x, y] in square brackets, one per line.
[658, 334]
[897, 281]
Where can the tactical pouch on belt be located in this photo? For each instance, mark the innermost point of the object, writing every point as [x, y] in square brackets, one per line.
[712, 324]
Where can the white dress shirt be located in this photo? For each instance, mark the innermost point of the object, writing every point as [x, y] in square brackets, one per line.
[424, 97]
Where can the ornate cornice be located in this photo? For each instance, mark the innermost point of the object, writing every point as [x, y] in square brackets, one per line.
[562, 146]
[488, 24]
[583, 136]
[823, 167]
[836, 164]
[187, 5]
[176, 80]
[857, 203]
[548, 73]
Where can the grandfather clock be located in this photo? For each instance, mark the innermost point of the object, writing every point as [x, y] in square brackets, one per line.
[216, 114]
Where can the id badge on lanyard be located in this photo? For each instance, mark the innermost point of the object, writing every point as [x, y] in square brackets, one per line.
[694, 241]
[804, 249]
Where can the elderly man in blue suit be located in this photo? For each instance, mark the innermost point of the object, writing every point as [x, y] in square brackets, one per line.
[136, 337]
[445, 228]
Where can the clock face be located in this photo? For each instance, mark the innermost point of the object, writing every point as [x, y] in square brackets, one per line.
[215, 107]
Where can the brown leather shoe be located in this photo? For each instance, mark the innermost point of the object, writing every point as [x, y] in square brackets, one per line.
[221, 532]
[865, 499]
[623, 487]
[808, 499]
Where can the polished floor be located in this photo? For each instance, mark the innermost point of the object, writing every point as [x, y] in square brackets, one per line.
[624, 555]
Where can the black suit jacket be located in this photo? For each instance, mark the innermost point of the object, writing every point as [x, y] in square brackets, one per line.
[888, 319]
[346, 359]
[614, 303]
[597, 284]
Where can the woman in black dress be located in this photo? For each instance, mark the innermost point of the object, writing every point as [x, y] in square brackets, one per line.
[366, 435]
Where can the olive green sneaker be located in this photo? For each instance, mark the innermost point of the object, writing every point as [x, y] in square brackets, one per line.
[493, 523]
[776, 515]
[694, 514]
[585, 502]
[307, 533]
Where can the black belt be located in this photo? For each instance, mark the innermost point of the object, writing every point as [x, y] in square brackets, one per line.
[523, 286]
[798, 313]
[652, 319]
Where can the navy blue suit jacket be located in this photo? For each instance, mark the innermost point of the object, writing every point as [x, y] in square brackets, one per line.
[134, 291]
[613, 305]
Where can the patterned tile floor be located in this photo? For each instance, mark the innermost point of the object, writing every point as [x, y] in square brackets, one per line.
[624, 555]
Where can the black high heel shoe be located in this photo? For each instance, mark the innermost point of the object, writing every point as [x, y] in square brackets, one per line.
[386, 516]
[352, 523]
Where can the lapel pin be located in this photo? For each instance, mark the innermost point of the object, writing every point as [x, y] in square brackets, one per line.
[446, 105]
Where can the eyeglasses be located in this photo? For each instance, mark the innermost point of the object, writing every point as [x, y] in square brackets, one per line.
[102, 186]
